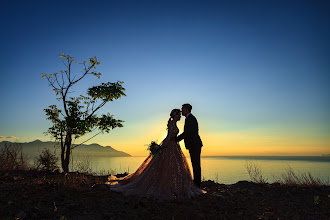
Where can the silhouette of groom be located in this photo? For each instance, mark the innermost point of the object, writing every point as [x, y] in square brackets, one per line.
[192, 141]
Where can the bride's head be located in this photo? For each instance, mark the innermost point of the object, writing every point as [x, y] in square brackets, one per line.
[174, 116]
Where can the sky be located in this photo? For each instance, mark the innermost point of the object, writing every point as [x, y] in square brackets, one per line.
[257, 73]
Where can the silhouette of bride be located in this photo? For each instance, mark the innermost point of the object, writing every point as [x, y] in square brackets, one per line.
[164, 175]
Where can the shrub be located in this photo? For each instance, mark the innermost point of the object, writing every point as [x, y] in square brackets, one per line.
[254, 171]
[46, 160]
[12, 157]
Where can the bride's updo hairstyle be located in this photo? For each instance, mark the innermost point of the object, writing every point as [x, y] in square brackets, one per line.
[173, 112]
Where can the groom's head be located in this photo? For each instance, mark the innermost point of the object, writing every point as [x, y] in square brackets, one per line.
[186, 109]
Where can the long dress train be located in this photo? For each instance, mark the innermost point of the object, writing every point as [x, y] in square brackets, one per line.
[164, 176]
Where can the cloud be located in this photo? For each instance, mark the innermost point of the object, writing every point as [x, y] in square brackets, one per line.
[11, 137]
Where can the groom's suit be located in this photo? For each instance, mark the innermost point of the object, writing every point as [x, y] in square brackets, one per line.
[194, 144]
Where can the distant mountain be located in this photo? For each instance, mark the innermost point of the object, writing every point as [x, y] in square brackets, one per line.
[93, 150]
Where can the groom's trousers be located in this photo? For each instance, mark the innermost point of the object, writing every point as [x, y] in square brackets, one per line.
[195, 156]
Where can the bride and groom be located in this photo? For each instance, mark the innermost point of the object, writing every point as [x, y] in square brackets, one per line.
[166, 175]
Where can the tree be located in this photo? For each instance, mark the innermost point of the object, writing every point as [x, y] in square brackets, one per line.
[78, 114]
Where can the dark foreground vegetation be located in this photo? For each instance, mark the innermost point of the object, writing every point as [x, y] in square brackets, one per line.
[41, 191]
[52, 195]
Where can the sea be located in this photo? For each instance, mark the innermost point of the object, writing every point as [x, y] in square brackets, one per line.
[224, 169]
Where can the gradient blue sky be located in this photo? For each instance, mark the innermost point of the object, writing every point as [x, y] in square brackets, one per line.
[256, 72]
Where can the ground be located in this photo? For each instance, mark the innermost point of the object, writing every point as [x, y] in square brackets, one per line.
[44, 195]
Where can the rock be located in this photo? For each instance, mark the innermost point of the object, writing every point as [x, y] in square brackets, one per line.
[288, 194]
[276, 184]
[220, 196]
[21, 215]
[119, 175]
[269, 186]
[243, 182]
[82, 217]
[101, 186]
[57, 171]
[230, 193]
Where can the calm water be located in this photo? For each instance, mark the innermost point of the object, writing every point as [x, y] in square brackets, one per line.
[228, 169]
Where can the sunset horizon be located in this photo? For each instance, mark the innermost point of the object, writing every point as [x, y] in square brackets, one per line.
[205, 153]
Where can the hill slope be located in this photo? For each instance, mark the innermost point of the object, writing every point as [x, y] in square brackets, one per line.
[94, 150]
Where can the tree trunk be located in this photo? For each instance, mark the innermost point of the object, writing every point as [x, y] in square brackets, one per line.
[65, 156]
[62, 151]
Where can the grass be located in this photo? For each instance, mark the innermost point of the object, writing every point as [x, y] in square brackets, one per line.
[81, 164]
[292, 178]
[289, 177]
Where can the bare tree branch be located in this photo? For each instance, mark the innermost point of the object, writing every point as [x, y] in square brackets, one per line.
[86, 72]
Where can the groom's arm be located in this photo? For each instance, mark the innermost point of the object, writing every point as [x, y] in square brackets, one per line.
[188, 130]
[180, 137]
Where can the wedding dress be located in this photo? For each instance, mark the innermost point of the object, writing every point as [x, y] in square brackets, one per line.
[164, 176]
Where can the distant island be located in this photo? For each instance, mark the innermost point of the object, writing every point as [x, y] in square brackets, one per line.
[92, 150]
